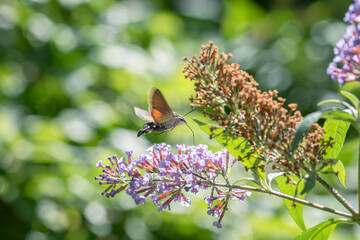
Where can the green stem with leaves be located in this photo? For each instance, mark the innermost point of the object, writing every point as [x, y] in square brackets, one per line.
[278, 194]
[334, 192]
[337, 195]
[282, 195]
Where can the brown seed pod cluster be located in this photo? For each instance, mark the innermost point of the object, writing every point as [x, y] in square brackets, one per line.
[230, 97]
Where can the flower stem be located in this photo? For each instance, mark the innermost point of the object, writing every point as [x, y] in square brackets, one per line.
[359, 175]
[337, 195]
[292, 198]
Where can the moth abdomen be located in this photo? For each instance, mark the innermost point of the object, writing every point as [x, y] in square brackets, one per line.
[147, 127]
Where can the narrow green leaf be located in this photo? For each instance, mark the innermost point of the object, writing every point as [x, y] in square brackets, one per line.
[295, 209]
[322, 231]
[353, 87]
[238, 147]
[244, 179]
[347, 107]
[303, 127]
[340, 102]
[333, 101]
[310, 181]
[337, 130]
[352, 98]
[338, 114]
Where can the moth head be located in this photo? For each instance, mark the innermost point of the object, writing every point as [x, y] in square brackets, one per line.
[182, 120]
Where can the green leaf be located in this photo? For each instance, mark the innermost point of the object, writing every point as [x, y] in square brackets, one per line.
[272, 176]
[238, 147]
[309, 120]
[322, 231]
[343, 103]
[352, 98]
[244, 179]
[333, 101]
[310, 180]
[340, 170]
[353, 87]
[336, 166]
[344, 115]
[303, 127]
[295, 210]
[337, 130]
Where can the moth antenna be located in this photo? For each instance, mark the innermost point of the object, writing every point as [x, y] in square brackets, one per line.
[192, 133]
[190, 112]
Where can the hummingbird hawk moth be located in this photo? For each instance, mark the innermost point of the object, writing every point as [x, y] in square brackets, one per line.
[160, 117]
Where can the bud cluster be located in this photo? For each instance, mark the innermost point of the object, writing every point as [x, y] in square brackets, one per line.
[230, 96]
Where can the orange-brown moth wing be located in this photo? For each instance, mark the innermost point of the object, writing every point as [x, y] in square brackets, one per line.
[159, 109]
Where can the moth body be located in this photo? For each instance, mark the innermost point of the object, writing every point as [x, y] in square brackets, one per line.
[160, 117]
[164, 126]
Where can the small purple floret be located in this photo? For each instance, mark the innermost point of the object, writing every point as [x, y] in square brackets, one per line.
[217, 224]
[99, 163]
[129, 153]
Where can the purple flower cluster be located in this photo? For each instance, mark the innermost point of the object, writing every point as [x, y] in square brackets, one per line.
[166, 177]
[345, 67]
[353, 14]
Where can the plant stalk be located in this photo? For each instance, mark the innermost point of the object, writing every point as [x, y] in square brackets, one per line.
[292, 198]
[358, 192]
[337, 195]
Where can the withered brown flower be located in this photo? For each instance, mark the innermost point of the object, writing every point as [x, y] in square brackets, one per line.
[230, 97]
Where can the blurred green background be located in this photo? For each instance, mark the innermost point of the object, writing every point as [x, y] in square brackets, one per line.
[71, 72]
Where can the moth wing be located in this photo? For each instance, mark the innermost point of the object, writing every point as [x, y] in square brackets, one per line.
[159, 109]
[143, 114]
